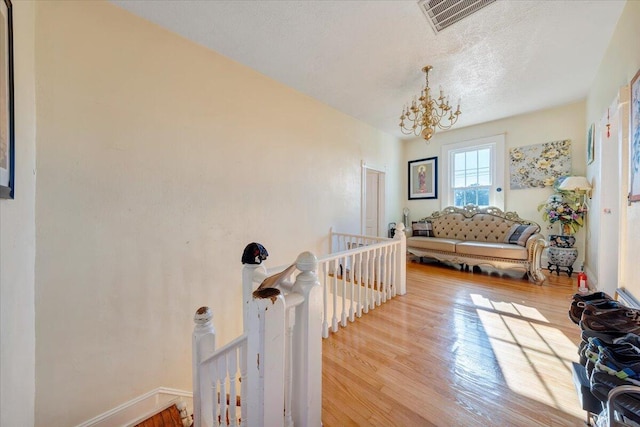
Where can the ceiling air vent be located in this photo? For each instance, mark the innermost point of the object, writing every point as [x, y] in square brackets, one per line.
[443, 13]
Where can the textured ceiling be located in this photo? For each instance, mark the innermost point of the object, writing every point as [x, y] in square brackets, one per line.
[365, 57]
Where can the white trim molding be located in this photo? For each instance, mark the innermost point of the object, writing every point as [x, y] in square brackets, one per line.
[141, 407]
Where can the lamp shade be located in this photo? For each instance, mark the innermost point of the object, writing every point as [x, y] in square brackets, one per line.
[573, 183]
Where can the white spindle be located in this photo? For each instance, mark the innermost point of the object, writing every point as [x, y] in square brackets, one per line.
[291, 322]
[232, 363]
[387, 272]
[213, 386]
[243, 380]
[358, 276]
[334, 291]
[325, 299]
[378, 263]
[222, 393]
[343, 311]
[353, 284]
[365, 282]
[392, 271]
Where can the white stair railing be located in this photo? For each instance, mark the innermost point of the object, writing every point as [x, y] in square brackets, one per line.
[279, 358]
[361, 273]
[215, 372]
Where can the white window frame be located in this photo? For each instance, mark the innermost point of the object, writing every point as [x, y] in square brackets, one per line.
[496, 144]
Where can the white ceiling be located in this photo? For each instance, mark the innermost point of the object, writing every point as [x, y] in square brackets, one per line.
[365, 57]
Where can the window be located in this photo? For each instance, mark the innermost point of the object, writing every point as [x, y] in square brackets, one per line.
[474, 172]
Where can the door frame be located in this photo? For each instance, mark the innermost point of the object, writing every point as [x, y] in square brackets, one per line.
[381, 198]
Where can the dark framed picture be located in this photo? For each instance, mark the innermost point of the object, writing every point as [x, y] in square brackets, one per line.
[634, 140]
[7, 134]
[423, 178]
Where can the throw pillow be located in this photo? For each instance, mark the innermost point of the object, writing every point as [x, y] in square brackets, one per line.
[422, 228]
[518, 234]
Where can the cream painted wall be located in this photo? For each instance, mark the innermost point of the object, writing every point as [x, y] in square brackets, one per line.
[158, 162]
[619, 65]
[17, 240]
[565, 122]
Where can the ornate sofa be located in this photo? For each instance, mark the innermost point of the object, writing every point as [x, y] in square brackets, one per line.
[471, 236]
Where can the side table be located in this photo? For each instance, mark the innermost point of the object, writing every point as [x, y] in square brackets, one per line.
[561, 259]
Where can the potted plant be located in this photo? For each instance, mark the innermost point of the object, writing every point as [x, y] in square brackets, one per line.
[564, 209]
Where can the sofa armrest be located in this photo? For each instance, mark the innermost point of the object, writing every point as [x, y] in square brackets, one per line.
[535, 245]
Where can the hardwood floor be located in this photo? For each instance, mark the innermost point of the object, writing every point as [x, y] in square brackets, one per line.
[459, 349]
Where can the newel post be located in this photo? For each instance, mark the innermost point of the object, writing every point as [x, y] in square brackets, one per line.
[252, 276]
[265, 359]
[203, 345]
[401, 260]
[307, 345]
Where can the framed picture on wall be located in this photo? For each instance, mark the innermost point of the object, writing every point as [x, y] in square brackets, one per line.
[423, 178]
[7, 150]
[634, 140]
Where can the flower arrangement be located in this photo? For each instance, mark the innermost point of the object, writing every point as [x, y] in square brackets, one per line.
[565, 210]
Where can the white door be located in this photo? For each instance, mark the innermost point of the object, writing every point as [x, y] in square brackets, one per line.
[608, 145]
[373, 203]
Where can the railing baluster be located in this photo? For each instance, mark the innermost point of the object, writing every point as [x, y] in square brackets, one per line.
[213, 374]
[392, 271]
[222, 397]
[343, 311]
[288, 369]
[325, 298]
[365, 282]
[243, 380]
[352, 286]
[334, 290]
[358, 278]
[379, 276]
[385, 270]
[233, 368]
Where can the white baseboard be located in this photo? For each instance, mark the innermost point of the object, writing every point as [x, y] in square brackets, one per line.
[141, 408]
[592, 280]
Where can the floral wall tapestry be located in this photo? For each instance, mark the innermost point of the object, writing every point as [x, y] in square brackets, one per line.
[539, 165]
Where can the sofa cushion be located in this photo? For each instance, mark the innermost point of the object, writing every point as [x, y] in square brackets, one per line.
[434, 243]
[498, 250]
[422, 228]
[519, 233]
[480, 227]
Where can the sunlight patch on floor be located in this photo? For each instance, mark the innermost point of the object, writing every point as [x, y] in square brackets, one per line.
[508, 307]
[534, 357]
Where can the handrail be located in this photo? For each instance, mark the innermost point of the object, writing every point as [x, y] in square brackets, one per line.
[227, 348]
[358, 250]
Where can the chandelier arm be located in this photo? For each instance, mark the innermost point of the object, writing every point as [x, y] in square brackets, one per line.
[426, 114]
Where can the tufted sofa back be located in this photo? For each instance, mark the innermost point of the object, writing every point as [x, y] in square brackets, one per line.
[480, 227]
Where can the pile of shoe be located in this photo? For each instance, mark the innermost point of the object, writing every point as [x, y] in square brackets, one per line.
[610, 347]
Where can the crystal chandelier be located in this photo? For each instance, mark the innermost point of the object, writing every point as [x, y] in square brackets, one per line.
[427, 113]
